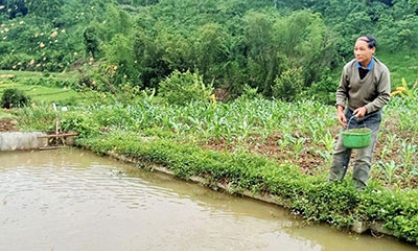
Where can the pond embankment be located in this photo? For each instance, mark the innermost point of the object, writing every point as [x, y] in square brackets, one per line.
[360, 227]
[11, 141]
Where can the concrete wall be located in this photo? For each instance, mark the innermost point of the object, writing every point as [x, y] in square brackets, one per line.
[10, 141]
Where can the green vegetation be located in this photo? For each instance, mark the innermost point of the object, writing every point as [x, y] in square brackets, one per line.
[14, 98]
[264, 44]
[259, 145]
[358, 131]
[5, 115]
[45, 94]
[136, 77]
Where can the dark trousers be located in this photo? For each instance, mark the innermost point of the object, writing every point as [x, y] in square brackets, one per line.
[363, 159]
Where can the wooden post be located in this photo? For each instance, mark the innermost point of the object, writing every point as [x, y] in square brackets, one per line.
[57, 120]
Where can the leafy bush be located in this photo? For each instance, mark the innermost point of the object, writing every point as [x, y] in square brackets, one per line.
[181, 88]
[249, 93]
[14, 98]
[289, 85]
[323, 90]
[95, 81]
[16, 61]
[50, 82]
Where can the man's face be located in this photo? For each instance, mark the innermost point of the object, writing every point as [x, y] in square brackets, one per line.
[362, 52]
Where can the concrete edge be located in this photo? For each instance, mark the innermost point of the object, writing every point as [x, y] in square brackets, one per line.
[359, 227]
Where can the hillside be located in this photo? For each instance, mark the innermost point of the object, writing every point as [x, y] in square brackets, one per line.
[267, 45]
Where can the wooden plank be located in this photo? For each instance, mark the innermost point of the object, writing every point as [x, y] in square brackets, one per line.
[60, 135]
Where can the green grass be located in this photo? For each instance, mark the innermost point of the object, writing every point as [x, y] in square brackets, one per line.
[39, 93]
[402, 64]
[5, 114]
[44, 94]
[37, 75]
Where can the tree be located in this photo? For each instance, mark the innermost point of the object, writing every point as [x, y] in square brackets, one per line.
[120, 61]
[280, 43]
[149, 53]
[49, 9]
[289, 85]
[263, 60]
[15, 8]
[91, 41]
[208, 48]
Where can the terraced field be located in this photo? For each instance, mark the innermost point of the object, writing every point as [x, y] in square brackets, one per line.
[46, 89]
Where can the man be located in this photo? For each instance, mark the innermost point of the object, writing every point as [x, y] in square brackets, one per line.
[363, 91]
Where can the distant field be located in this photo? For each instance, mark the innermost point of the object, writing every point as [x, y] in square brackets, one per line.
[41, 93]
[401, 65]
[33, 74]
[38, 92]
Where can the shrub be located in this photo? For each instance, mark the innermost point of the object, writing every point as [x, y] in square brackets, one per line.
[323, 90]
[289, 85]
[14, 98]
[181, 88]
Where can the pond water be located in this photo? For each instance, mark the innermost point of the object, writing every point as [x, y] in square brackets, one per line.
[69, 199]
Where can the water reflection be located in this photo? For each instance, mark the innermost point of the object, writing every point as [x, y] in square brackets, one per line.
[74, 200]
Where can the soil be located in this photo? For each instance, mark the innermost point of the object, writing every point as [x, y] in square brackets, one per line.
[308, 162]
[8, 124]
[311, 163]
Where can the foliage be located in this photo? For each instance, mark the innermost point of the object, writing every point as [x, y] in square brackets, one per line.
[230, 43]
[289, 85]
[396, 208]
[328, 202]
[40, 117]
[404, 91]
[323, 90]
[182, 88]
[91, 41]
[14, 98]
[249, 93]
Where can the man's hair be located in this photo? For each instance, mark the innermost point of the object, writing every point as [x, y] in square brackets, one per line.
[369, 39]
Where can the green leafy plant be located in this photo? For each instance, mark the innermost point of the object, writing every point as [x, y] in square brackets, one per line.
[289, 85]
[182, 88]
[404, 91]
[389, 170]
[14, 98]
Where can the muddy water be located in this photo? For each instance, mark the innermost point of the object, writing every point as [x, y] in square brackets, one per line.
[73, 200]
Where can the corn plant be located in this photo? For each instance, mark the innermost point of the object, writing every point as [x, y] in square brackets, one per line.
[328, 142]
[298, 146]
[384, 152]
[325, 155]
[389, 170]
[408, 152]
[284, 142]
[392, 139]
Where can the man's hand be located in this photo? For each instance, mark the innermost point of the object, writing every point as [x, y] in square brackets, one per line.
[360, 112]
[342, 119]
[341, 116]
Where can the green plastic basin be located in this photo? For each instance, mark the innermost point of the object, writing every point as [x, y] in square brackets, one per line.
[357, 137]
